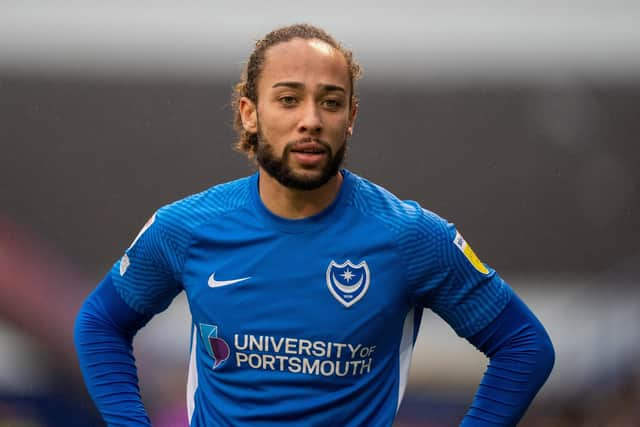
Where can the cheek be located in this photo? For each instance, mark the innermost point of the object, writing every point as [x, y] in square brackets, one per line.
[275, 124]
[340, 127]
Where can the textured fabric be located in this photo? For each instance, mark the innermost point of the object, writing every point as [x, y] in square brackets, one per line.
[522, 357]
[440, 275]
[103, 334]
[310, 321]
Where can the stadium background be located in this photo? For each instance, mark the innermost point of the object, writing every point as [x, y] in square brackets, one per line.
[518, 123]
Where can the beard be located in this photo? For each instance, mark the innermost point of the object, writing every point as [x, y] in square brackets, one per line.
[280, 169]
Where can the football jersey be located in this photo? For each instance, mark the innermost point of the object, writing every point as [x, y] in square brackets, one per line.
[307, 322]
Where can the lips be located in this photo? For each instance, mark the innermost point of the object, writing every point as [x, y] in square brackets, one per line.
[308, 148]
[309, 154]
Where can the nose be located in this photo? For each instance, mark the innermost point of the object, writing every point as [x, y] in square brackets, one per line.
[311, 120]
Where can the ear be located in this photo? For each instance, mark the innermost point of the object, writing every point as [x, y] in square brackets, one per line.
[352, 118]
[248, 114]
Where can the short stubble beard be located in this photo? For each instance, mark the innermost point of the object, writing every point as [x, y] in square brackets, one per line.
[279, 168]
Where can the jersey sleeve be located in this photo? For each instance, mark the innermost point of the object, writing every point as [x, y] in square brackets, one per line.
[449, 278]
[521, 358]
[148, 276]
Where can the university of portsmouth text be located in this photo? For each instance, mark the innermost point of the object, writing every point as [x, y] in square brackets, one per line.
[322, 357]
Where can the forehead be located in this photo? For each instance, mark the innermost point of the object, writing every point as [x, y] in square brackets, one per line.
[307, 61]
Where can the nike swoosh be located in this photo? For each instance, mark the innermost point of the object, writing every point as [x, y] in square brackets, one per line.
[213, 283]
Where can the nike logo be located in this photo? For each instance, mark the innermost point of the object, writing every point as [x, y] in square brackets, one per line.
[213, 283]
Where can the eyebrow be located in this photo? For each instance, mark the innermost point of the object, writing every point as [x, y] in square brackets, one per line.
[298, 85]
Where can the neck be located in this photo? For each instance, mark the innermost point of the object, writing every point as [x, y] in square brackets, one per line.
[296, 204]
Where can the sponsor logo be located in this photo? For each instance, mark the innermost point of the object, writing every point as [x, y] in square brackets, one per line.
[213, 283]
[348, 282]
[469, 254]
[302, 356]
[288, 354]
[124, 264]
[217, 348]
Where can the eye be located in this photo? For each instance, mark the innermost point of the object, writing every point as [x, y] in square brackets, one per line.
[288, 100]
[332, 103]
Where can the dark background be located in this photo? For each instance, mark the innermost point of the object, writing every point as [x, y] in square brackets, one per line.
[540, 179]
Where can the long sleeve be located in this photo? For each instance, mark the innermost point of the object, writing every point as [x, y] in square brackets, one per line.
[103, 335]
[521, 358]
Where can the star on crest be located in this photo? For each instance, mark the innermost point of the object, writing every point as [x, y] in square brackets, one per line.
[347, 275]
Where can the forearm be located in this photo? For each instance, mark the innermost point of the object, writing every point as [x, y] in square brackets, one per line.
[521, 358]
[104, 333]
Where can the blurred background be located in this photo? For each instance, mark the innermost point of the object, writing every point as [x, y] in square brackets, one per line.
[518, 122]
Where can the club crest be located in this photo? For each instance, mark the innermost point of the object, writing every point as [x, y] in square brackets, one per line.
[348, 282]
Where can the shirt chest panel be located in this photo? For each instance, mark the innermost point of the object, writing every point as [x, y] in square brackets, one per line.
[269, 283]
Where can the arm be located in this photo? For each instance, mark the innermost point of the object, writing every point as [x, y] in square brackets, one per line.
[521, 358]
[468, 294]
[141, 284]
[482, 308]
[104, 331]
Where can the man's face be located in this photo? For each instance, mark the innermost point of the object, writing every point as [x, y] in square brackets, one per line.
[303, 117]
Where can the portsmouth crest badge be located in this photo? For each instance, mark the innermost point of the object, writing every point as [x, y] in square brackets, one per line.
[348, 282]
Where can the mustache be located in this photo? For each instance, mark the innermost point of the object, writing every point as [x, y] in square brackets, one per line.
[292, 144]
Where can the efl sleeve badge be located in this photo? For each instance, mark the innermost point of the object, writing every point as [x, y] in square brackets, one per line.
[469, 254]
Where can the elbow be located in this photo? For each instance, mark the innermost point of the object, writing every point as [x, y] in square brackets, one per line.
[547, 354]
[83, 325]
[79, 325]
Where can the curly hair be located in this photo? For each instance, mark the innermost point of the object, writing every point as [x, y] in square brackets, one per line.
[247, 142]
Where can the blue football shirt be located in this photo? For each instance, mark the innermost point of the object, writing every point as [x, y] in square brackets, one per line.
[310, 321]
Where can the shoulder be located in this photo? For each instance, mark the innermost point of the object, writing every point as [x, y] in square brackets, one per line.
[192, 211]
[164, 239]
[402, 216]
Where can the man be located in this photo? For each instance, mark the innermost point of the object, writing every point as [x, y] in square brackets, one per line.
[306, 283]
